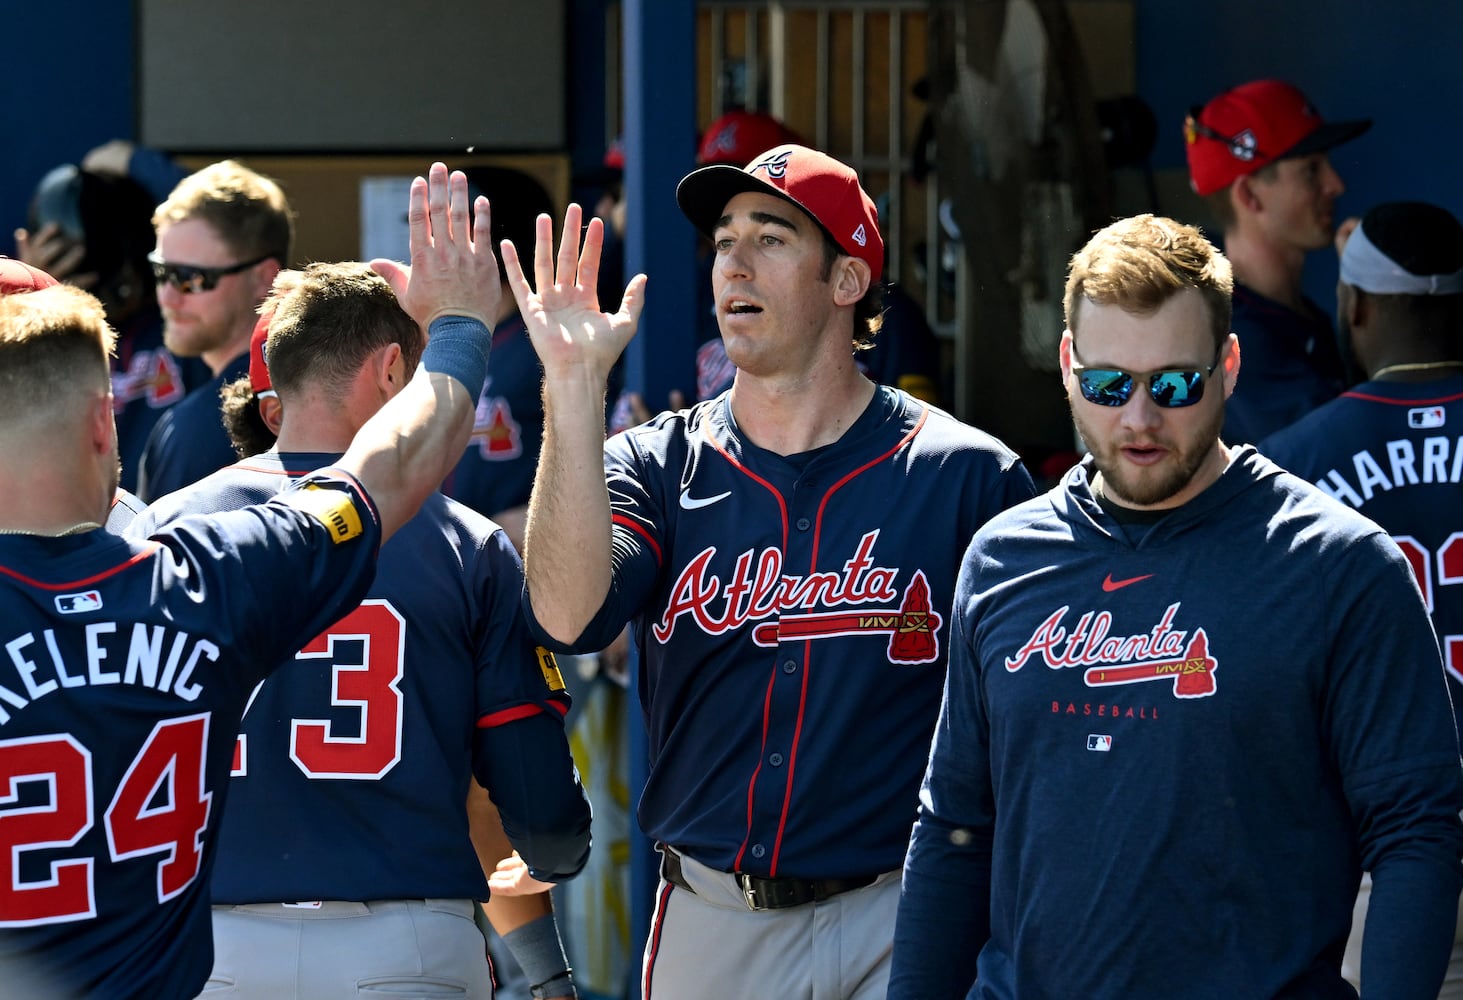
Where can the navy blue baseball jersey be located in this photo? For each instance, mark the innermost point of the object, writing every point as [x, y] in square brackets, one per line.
[1167, 750]
[127, 670]
[146, 380]
[1291, 366]
[189, 441]
[352, 767]
[792, 616]
[496, 472]
[1394, 451]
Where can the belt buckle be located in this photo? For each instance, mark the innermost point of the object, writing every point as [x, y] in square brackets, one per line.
[749, 891]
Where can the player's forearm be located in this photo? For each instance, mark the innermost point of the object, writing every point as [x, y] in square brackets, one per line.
[530, 773]
[567, 538]
[1410, 922]
[944, 913]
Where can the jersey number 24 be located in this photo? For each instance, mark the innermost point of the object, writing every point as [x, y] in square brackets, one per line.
[160, 807]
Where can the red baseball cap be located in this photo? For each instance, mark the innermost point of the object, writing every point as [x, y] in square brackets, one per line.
[614, 158]
[827, 190]
[1252, 126]
[258, 369]
[18, 276]
[738, 136]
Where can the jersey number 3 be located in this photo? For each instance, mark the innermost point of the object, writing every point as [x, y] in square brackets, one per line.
[368, 683]
[160, 807]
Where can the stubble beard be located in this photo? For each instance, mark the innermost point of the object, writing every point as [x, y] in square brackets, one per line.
[1146, 486]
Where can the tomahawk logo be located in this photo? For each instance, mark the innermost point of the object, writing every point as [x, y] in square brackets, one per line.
[1163, 653]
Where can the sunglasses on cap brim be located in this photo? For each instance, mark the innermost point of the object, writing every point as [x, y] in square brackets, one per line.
[1169, 389]
[1241, 147]
[189, 278]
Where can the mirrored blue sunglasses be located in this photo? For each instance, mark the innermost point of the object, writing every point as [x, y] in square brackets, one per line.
[1170, 388]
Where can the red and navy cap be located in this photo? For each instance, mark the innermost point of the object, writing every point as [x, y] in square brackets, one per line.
[18, 276]
[1252, 126]
[821, 186]
[258, 369]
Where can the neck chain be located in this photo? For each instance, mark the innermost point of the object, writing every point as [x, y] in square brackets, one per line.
[75, 529]
[1416, 366]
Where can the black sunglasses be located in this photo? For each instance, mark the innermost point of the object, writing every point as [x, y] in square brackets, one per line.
[188, 279]
[1241, 147]
[1170, 388]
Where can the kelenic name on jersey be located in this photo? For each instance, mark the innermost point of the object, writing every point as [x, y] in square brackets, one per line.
[151, 656]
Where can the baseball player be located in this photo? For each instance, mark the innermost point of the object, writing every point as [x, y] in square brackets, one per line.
[786, 555]
[1390, 447]
[1190, 697]
[351, 775]
[1258, 154]
[129, 663]
[222, 236]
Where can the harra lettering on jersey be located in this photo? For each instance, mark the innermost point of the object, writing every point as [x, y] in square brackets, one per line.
[1162, 653]
[1441, 461]
[150, 656]
[758, 590]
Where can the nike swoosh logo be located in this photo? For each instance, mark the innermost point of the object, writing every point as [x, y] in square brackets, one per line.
[689, 502]
[1109, 584]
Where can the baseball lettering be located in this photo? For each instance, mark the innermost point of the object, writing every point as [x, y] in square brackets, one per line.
[1441, 461]
[151, 656]
[758, 589]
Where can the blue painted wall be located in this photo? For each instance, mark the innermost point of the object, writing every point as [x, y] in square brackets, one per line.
[68, 87]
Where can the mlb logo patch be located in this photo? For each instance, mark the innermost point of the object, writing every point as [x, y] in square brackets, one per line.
[76, 604]
[1426, 417]
[1102, 744]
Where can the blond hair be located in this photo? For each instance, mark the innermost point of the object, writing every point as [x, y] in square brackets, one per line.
[247, 211]
[1139, 263]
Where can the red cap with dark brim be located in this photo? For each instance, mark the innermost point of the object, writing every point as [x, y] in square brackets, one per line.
[826, 189]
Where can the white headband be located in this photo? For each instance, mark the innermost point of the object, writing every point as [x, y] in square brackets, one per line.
[1364, 266]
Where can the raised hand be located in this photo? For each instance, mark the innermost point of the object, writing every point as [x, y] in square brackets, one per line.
[55, 253]
[453, 270]
[561, 309]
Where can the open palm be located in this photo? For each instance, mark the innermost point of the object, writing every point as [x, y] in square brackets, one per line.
[561, 310]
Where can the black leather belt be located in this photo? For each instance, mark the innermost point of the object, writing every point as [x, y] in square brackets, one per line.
[768, 893]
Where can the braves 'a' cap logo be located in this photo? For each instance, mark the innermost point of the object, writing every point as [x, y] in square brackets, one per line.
[775, 165]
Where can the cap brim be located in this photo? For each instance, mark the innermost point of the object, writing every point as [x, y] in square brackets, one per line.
[1328, 136]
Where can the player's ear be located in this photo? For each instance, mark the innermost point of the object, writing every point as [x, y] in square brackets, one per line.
[391, 370]
[1243, 193]
[851, 279]
[1229, 364]
[271, 411]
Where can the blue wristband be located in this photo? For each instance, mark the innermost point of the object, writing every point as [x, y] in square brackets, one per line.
[459, 346]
